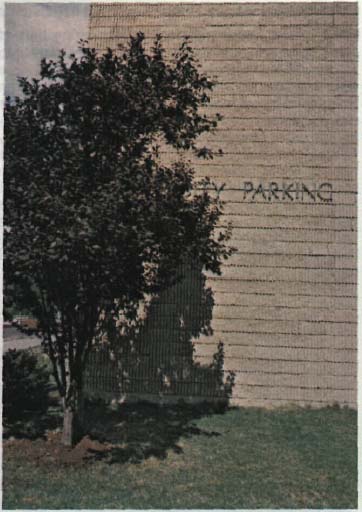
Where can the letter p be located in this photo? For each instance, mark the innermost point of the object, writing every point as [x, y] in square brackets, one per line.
[248, 188]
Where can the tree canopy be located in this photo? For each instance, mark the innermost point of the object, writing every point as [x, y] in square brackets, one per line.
[95, 219]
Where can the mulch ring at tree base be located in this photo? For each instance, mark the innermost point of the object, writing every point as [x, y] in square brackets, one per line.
[50, 450]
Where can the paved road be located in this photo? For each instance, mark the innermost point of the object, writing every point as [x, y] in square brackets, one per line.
[13, 338]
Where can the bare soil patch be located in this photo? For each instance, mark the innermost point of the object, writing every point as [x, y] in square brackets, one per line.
[50, 451]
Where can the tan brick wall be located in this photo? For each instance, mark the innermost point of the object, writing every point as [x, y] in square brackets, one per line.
[285, 306]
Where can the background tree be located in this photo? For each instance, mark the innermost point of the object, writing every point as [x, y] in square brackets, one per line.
[94, 220]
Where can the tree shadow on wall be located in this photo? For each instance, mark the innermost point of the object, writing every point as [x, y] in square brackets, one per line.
[157, 359]
[157, 364]
[161, 359]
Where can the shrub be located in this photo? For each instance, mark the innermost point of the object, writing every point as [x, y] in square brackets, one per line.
[26, 385]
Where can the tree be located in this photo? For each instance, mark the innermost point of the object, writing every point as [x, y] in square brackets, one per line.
[95, 220]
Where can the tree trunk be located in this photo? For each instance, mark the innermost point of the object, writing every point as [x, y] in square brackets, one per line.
[69, 434]
[73, 420]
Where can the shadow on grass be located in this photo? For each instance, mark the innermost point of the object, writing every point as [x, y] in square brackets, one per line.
[135, 432]
[131, 432]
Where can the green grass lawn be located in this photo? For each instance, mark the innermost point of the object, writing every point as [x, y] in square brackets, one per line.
[244, 458]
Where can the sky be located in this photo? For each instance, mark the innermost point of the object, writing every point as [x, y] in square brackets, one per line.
[37, 30]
